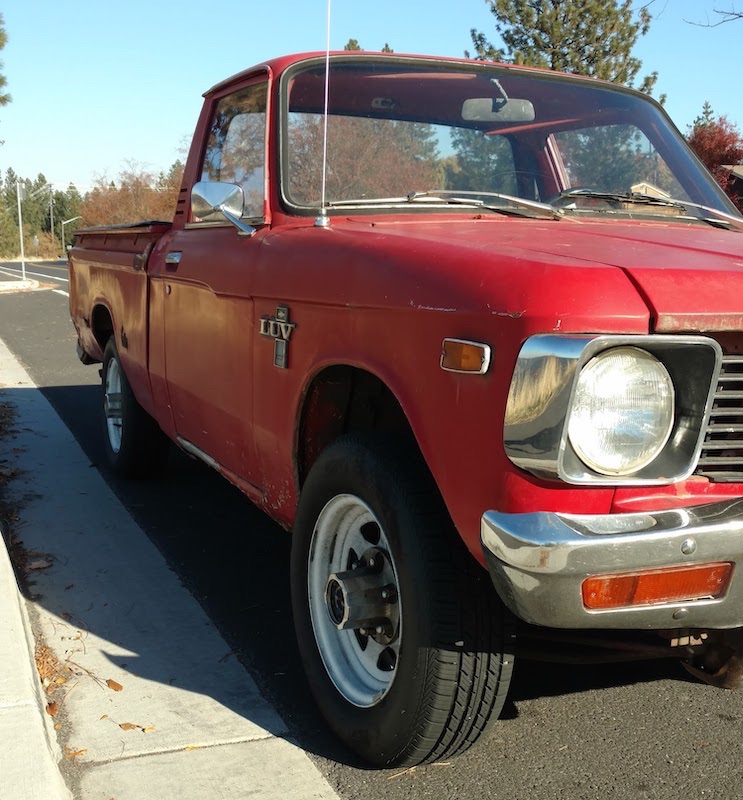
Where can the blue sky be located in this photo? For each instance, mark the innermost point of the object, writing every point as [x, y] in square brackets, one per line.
[98, 84]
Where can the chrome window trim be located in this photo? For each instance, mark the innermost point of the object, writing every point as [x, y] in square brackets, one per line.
[542, 392]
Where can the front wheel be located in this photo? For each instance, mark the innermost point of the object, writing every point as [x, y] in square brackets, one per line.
[134, 444]
[406, 646]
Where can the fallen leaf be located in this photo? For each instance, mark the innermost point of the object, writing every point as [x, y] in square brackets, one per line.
[75, 753]
[192, 747]
[105, 716]
[42, 563]
[129, 726]
[60, 679]
[112, 684]
[57, 726]
[148, 729]
[51, 709]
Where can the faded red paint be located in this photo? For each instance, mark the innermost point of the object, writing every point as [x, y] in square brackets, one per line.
[380, 292]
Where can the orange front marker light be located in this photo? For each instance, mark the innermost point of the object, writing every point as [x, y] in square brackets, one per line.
[651, 587]
[460, 355]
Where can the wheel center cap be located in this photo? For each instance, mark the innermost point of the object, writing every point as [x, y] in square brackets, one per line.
[335, 601]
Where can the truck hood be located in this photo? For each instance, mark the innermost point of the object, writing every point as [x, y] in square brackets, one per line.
[689, 275]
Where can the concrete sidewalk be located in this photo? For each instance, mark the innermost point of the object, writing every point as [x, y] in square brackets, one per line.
[150, 701]
[10, 284]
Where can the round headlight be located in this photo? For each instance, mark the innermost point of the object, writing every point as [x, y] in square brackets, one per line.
[622, 412]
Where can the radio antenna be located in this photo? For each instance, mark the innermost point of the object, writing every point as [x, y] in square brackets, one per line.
[323, 221]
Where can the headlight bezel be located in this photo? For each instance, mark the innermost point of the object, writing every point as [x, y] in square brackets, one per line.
[548, 367]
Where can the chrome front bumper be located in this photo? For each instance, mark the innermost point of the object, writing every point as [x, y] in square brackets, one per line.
[539, 561]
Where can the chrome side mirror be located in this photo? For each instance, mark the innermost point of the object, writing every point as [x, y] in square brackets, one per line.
[212, 201]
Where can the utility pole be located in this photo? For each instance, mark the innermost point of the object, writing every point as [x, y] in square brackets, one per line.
[18, 191]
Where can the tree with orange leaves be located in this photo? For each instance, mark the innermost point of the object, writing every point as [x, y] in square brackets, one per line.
[719, 145]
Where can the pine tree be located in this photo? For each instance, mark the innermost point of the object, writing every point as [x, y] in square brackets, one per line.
[707, 117]
[4, 96]
[586, 37]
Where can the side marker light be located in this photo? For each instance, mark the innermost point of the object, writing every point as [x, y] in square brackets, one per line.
[460, 355]
[650, 587]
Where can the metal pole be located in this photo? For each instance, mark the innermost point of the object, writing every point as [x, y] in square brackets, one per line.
[51, 214]
[67, 222]
[20, 230]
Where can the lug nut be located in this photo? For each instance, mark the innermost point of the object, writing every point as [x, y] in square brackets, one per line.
[389, 593]
[380, 629]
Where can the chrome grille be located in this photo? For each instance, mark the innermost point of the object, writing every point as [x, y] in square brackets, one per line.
[721, 458]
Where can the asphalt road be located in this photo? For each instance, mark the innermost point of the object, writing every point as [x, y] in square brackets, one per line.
[639, 730]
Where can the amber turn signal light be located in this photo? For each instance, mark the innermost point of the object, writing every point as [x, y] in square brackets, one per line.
[459, 355]
[649, 587]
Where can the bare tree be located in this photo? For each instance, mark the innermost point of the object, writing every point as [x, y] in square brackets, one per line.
[723, 16]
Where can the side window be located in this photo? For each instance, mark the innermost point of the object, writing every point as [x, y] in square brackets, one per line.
[236, 147]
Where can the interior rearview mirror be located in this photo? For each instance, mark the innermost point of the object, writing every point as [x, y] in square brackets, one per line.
[497, 109]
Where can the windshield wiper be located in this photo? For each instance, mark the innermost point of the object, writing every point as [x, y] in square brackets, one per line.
[719, 218]
[619, 197]
[457, 198]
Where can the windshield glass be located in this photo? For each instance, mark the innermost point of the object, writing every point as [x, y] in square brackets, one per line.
[399, 127]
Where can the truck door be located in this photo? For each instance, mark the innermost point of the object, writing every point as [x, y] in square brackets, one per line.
[202, 301]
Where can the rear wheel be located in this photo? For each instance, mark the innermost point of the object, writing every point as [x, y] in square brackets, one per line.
[135, 446]
[406, 646]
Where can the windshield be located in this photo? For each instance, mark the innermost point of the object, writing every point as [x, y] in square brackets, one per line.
[401, 127]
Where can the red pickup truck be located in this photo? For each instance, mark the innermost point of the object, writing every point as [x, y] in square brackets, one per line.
[474, 332]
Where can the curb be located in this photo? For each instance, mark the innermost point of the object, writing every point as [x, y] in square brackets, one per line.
[147, 659]
[19, 286]
[30, 755]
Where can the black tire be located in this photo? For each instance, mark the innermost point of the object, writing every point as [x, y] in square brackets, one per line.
[452, 663]
[134, 444]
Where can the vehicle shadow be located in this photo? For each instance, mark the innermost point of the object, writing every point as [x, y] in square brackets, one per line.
[227, 553]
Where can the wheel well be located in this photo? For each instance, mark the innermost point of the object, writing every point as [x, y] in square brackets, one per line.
[102, 325]
[344, 399]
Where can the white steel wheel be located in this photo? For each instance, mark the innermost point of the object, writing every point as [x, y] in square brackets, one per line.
[354, 600]
[134, 444]
[406, 646]
[112, 404]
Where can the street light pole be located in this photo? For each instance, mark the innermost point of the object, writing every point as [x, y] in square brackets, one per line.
[66, 222]
[20, 228]
[51, 213]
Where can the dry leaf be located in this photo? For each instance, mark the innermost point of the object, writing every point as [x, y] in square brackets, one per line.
[148, 729]
[112, 684]
[105, 716]
[75, 753]
[192, 747]
[60, 679]
[129, 726]
[57, 726]
[51, 709]
[42, 563]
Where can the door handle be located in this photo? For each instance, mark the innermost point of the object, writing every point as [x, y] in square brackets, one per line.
[173, 258]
